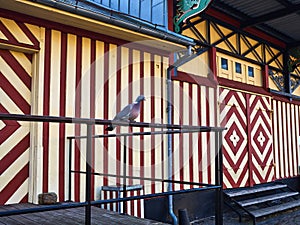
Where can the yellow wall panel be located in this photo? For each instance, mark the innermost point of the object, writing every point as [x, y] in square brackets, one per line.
[232, 74]
[201, 27]
[190, 34]
[198, 66]
[224, 46]
[224, 30]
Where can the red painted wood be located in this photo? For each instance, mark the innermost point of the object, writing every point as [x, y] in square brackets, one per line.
[249, 146]
[92, 108]
[62, 112]
[194, 79]
[14, 184]
[242, 86]
[46, 105]
[213, 64]
[16, 67]
[14, 94]
[265, 77]
[14, 153]
[105, 99]
[77, 154]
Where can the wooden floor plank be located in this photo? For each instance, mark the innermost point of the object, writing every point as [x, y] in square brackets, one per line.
[16, 220]
[70, 216]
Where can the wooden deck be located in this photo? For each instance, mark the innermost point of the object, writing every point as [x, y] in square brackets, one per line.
[74, 216]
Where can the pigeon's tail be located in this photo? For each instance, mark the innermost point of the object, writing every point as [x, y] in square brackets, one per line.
[110, 128]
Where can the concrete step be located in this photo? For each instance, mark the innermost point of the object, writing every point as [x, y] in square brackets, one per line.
[275, 209]
[267, 198]
[253, 190]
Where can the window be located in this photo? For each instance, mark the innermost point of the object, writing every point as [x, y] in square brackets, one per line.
[250, 71]
[224, 64]
[238, 68]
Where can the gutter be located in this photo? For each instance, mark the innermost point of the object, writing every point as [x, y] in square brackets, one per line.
[94, 11]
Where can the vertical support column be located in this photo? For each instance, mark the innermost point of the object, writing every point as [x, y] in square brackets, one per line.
[286, 73]
[213, 64]
[124, 175]
[88, 175]
[265, 77]
[70, 166]
[249, 145]
[219, 179]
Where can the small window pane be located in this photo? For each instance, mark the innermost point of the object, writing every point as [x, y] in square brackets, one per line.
[250, 71]
[238, 68]
[224, 64]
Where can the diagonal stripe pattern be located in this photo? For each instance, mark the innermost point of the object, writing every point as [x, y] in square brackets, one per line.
[15, 92]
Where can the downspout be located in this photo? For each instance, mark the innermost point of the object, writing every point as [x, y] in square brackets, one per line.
[169, 143]
[189, 56]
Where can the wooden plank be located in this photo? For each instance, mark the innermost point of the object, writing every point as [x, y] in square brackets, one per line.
[267, 198]
[71, 217]
[18, 219]
[274, 209]
[246, 191]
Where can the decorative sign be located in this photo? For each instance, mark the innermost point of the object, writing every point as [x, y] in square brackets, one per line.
[187, 9]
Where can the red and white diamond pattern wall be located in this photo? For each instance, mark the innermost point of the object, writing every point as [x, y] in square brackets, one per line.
[15, 96]
[247, 146]
[233, 116]
[261, 162]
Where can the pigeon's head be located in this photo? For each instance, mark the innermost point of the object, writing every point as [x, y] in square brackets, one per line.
[140, 98]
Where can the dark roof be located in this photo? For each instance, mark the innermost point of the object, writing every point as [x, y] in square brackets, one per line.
[278, 18]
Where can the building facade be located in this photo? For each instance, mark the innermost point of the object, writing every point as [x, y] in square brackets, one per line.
[88, 59]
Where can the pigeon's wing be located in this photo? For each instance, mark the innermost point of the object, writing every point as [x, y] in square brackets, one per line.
[124, 113]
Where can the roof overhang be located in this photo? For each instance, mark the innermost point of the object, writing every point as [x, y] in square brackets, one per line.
[277, 18]
[86, 18]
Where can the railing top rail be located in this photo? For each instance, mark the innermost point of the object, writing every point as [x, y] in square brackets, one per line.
[74, 120]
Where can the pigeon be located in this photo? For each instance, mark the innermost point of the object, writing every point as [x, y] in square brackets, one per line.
[128, 113]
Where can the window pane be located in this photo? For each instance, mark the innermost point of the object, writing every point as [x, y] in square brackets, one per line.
[224, 64]
[238, 68]
[250, 71]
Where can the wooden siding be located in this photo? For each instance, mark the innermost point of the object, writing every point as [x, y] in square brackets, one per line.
[15, 95]
[76, 75]
[247, 148]
[286, 138]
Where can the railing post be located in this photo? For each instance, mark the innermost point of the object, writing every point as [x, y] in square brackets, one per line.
[88, 207]
[124, 175]
[219, 179]
[70, 166]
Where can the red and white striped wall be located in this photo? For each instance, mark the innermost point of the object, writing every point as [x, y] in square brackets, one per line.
[15, 95]
[92, 76]
[75, 73]
[286, 138]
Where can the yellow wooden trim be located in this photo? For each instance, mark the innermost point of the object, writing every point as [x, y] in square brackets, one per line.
[17, 48]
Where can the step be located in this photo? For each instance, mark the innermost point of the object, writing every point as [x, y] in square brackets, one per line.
[274, 209]
[253, 190]
[266, 198]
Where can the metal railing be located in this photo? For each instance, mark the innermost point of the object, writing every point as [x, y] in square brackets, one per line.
[172, 129]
